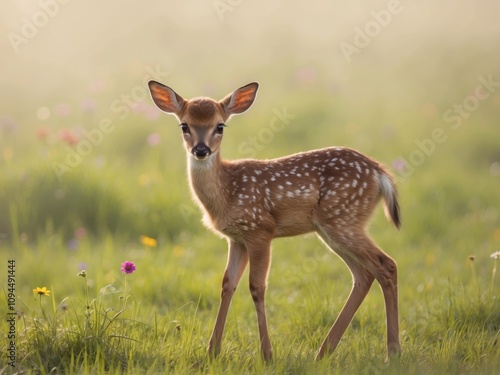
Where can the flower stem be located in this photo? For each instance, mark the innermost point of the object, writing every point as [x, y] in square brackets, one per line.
[493, 276]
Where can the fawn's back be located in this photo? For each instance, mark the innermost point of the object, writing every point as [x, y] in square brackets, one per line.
[294, 194]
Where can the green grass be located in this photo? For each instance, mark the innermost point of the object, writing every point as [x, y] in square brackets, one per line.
[162, 321]
[159, 319]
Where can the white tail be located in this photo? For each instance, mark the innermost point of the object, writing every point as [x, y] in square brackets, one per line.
[332, 192]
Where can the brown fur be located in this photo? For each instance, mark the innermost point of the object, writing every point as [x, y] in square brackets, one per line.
[332, 192]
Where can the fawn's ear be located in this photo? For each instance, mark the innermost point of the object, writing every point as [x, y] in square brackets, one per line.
[165, 98]
[240, 100]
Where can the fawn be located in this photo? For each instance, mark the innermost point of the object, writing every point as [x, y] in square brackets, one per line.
[332, 192]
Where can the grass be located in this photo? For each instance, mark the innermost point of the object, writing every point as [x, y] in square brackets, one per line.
[161, 322]
[159, 319]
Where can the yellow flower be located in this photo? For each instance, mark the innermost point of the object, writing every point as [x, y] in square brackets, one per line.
[144, 180]
[178, 251]
[148, 241]
[41, 291]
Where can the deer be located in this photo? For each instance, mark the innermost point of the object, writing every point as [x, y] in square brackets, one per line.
[331, 191]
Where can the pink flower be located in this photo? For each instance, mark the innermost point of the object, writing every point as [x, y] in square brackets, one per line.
[96, 86]
[152, 113]
[154, 139]
[42, 133]
[88, 105]
[399, 165]
[62, 109]
[128, 267]
[139, 107]
[68, 136]
[80, 233]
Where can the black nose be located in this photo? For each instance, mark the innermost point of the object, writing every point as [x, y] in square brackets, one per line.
[201, 150]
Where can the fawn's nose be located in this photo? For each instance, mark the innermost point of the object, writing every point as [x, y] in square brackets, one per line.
[201, 151]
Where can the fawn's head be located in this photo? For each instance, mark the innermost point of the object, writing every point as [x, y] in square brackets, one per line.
[202, 120]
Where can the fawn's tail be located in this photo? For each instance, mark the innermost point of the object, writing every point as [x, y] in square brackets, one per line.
[390, 195]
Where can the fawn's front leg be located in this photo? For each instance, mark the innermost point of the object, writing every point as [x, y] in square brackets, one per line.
[259, 252]
[236, 264]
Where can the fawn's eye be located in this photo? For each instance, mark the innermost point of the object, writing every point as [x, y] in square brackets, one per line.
[220, 128]
[185, 128]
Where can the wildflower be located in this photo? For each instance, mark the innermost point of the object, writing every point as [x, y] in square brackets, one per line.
[149, 241]
[68, 136]
[41, 291]
[495, 255]
[139, 107]
[80, 233]
[97, 86]
[128, 267]
[43, 113]
[82, 266]
[72, 244]
[62, 109]
[399, 165]
[152, 113]
[8, 153]
[8, 125]
[144, 180]
[306, 76]
[88, 105]
[154, 139]
[42, 133]
[82, 273]
[178, 251]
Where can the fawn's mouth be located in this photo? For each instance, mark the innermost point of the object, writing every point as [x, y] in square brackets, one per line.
[201, 157]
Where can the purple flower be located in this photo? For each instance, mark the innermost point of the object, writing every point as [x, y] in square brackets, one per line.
[62, 109]
[128, 267]
[82, 266]
[399, 165]
[89, 105]
[73, 244]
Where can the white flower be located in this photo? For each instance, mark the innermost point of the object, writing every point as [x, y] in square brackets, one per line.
[495, 255]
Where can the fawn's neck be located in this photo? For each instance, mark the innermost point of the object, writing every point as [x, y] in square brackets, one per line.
[208, 180]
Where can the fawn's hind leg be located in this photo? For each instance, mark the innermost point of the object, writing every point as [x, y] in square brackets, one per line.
[366, 262]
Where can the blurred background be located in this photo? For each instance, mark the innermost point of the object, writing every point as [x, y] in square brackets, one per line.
[414, 84]
[92, 174]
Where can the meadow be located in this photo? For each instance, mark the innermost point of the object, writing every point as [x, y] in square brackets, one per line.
[95, 176]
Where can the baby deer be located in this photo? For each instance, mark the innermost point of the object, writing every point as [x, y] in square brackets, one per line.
[332, 192]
